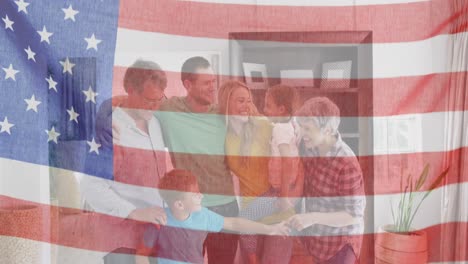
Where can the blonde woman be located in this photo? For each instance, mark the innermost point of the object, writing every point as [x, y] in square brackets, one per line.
[248, 150]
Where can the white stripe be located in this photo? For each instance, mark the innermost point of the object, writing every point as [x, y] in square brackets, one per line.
[430, 213]
[427, 132]
[389, 60]
[309, 2]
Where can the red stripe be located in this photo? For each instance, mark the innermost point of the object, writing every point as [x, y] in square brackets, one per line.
[98, 232]
[388, 23]
[137, 166]
[68, 227]
[381, 173]
[390, 96]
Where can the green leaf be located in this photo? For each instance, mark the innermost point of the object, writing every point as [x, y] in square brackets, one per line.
[431, 188]
[401, 210]
[422, 177]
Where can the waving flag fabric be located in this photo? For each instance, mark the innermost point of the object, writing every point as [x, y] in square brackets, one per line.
[61, 60]
[53, 57]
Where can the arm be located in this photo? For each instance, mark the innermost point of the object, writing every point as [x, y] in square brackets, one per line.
[105, 128]
[246, 226]
[286, 162]
[104, 123]
[333, 219]
[286, 168]
[102, 198]
[298, 188]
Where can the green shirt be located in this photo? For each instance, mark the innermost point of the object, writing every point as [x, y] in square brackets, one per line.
[196, 142]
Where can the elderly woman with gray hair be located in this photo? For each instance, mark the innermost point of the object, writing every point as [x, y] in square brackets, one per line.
[332, 226]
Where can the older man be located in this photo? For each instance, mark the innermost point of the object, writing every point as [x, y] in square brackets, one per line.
[138, 158]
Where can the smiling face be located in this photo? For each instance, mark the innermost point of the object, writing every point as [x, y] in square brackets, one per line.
[239, 102]
[202, 88]
[312, 135]
[146, 100]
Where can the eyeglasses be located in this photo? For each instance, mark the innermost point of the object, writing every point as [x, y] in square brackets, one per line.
[153, 102]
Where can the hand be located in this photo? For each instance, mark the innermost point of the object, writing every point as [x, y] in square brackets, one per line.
[141, 260]
[284, 204]
[301, 221]
[155, 215]
[280, 229]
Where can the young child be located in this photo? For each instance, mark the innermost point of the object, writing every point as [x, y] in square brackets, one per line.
[285, 173]
[188, 223]
[280, 103]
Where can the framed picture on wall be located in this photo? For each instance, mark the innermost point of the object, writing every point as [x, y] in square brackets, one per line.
[255, 75]
[336, 75]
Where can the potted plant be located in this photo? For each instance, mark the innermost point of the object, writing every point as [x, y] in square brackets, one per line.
[400, 242]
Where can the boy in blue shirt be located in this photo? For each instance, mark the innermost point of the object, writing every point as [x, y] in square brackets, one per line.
[188, 223]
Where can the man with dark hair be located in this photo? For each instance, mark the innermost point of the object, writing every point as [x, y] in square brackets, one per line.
[191, 65]
[195, 135]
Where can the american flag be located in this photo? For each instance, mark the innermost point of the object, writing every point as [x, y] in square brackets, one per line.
[61, 60]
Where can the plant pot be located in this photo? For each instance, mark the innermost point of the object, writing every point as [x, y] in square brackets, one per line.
[392, 247]
[19, 224]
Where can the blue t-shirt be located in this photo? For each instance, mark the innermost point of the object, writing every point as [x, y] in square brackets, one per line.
[182, 241]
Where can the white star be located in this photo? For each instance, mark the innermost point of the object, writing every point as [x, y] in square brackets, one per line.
[45, 35]
[52, 83]
[22, 6]
[30, 53]
[70, 13]
[67, 66]
[8, 23]
[6, 126]
[52, 134]
[93, 146]
[90, 95]
[32, 103]
[92, 42]
[73, 115]
[10, 72]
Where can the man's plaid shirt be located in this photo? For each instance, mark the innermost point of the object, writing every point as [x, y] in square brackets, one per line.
[333, 183]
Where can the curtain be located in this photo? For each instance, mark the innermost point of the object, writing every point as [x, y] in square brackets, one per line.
[455, 204]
